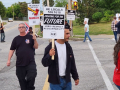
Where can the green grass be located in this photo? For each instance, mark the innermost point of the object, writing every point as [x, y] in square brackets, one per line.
[94, 29]
[37, 26]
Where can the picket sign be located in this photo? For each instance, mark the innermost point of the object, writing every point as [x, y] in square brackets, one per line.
[53, 26]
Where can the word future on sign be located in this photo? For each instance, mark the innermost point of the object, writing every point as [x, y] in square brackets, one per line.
[53, 27]
[34, 14]
[71, 15]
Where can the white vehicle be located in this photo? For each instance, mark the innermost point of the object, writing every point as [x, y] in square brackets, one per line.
[10, 20]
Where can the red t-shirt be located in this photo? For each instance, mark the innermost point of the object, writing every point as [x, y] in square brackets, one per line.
[116, 76]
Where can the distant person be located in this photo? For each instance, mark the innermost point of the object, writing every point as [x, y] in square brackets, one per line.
[31, 33]
[2, 33]
[41, 27]
[63, 66]
[114, 29]
[67, 25]
[116, 57]
[86, 29]
[25, 64]
[117, 24]
[41, 24]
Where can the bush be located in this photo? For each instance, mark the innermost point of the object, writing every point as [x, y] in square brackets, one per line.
[107, 15]
[97, 16]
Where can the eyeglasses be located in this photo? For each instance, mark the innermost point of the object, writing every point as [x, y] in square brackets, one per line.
[21, 27]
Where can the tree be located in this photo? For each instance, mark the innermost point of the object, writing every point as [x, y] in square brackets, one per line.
[108, 4]
[9, 12]
[35, 1]
[61, 3]
[23, 8]
[51, 3]
[86, 9]
[2, 9]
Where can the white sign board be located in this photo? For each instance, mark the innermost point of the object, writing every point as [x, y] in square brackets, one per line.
[117, 16]
[34, 14]
[71, 15]
[53, 26]
[86, 19]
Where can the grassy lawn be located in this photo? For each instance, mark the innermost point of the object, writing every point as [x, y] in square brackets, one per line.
[94, 29]
[37, 26]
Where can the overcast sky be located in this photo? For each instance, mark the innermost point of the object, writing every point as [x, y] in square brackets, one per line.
[8, 3]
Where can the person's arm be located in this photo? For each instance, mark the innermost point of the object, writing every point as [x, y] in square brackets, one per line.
[112, 25]
[46, 60]
[35, 42]
[74, 70]
[10, 56]
[117, 24]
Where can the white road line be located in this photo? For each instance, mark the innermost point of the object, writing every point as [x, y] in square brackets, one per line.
[103, 73]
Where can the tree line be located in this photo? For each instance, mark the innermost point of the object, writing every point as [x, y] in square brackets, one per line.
[95, 10]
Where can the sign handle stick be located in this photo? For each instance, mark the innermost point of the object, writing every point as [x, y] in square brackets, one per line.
[53, 45]
[33, 29]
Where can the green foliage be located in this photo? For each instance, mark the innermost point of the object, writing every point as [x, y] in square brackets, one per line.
[35, 1]
[2, 9]
[23, 9]
[108, 4]
[108, 15]
[9, 12]
[60, 3]
[16, 9]
[86, 10]
[97, 16]
[51, 3]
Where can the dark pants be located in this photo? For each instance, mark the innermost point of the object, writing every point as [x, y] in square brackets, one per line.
[115, 35]
[2, 37]
[26, 76]
[118, 86]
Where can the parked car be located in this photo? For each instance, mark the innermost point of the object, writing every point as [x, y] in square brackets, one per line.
[10, 20]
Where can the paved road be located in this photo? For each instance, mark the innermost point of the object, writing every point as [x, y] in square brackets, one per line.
[94, 62]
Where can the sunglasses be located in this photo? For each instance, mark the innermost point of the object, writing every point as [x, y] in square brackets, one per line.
[21, 27]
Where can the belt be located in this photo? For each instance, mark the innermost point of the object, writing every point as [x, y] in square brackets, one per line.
[62, 76]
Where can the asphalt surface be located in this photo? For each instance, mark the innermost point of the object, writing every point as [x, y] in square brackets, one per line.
[89, 72]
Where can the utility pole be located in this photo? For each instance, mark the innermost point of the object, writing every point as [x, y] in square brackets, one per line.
[48, 3]
[43, 3]
[69, 8]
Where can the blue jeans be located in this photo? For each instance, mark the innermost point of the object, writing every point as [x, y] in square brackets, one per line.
[118, 86]
[2, 37]
[62, 86]
[87, 35]
[115, 35]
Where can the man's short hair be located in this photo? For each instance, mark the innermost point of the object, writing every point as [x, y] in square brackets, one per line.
[22, 24]
[67, 26]
[114, 17]
[30, 27]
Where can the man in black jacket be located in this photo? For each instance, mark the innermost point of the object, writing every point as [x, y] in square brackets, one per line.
[117, 24]
[62, 66]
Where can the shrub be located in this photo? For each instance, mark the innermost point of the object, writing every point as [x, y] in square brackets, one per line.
[97, 16]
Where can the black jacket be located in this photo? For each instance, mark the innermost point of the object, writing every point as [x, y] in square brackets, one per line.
[118, 27]
[53, 69]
